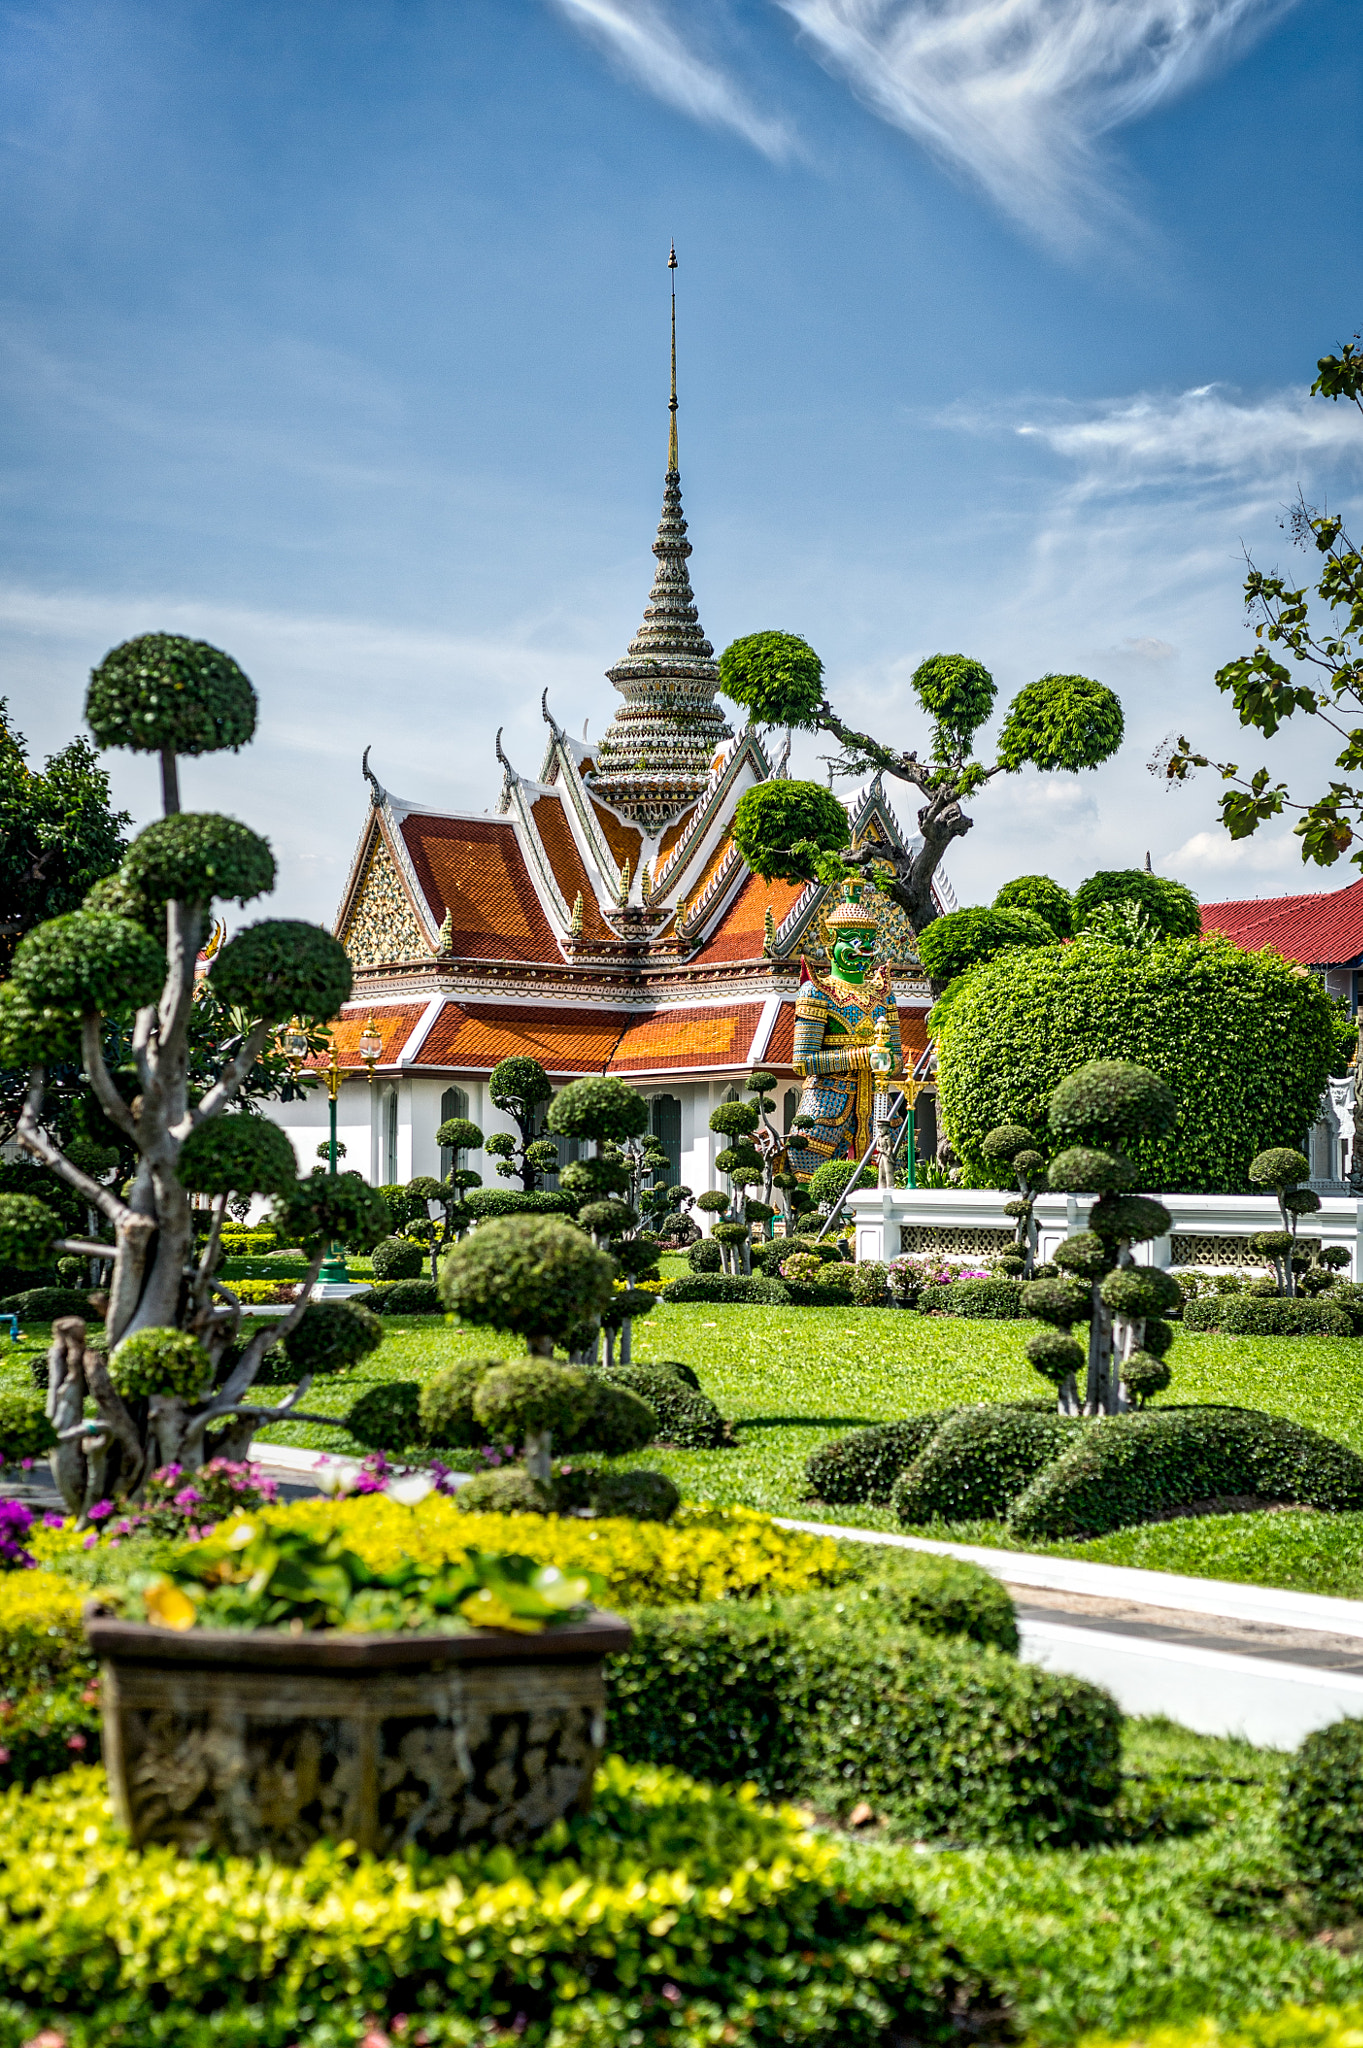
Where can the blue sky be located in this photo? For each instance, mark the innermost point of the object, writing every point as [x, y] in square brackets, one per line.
[337, 335]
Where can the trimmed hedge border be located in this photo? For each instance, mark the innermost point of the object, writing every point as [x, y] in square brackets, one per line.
[953, 1739]
[1322, 1812]
[1128, 1468]
[995, 1300]
[728, 1287]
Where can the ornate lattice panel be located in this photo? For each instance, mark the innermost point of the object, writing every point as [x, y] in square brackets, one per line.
[1210, 1251]
[382, 926]
[953, 1244]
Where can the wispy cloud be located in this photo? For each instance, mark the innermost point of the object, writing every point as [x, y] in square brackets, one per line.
[1158, 438]
[1016, 93]
[641, 38]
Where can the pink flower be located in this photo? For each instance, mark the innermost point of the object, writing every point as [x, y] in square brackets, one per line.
[187, 1498]
[91, 1540]
[75, 1742]
[54, 1521]
[101, 1511]
[4, 1756]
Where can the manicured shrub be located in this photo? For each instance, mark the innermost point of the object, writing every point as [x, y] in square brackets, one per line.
[635, 1496]
[446, 1405]
[683, 1372]
[164, 691]
[953, 1738]
[731, 1288]
[978, 1463]
[38, 1305]
[993, 1300]
[868, 1283]
[1144, 1376]
[865, 1466]
[1248, 1315]
[535, 1276]
[1205, 1312]
[329, 1336]
[684, 1416]
[1348, 1296]
[27, 1229]
[772, 1933]
[25, 1431]
[940, 1595]
[407, 1298]
[387, 1417]
[397, 1258]
[197, 856]
[283, 968]
[238, 1154]
[532, 1395]
[1128, 1468]
[159, 1361]
[486, 1204]
[1043, 897]
[88, 961]
[1056, 1355]
[1322, 1812]
[508, 1491]
[704, 1256]
[622, 1418]
[820, 1294]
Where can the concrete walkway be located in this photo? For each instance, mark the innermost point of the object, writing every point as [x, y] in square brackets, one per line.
[1222, 1658]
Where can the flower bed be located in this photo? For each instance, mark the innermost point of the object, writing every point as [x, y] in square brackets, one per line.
[673, 1913]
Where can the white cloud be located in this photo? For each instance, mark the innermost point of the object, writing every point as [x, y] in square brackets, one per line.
[642, 40]
[1216, 853]
[1156, 438]
[1016, 93]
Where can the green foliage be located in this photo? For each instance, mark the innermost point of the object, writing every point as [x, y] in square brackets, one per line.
[406, 1298]
[25, 1431]
[1322, 1812]
[965, 938]
[1043, 897]
[954, 1739]
[331, 1336]
[535, 1276]
[58, 833]
[1007, 1141]
[159, 1361]
[865, 1466]
[1170, 908]
[458, 1134]
[682, 1415]
[598, 1107]
[1279, 1168]
[446, 1408]
[958, 694]
[635, 1496]
[115, 896]
[1144, 1376]
[1248, 1315]
[734, 1119]
[1138, 1291]
[1129, 1467]
[704, 1256]
[485, 1203]
[1080, 1170]
[622, 1416]
[781, 826]
[1134, 1217]
[27, 1231]
[1067, 722]
[87, 961]
[728, 1288]
[776, 677]
[48, 1304]
[978, 1463]
[397, 1258]
[161, 691]
[1111, 1102]
[197, 856]
[386, 1417]
[519, 1082]
[532, 1395]
[1055, 1354]
[331, 1206]
[1061, 1302]
[283, 968]
[509, 1490]
[771, 1933]
[238, 1154]
[1086, 1255]
[1241, 1039]
[997, 1300]
[827, 1182]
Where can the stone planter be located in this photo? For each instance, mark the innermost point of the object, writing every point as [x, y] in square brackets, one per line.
[268, 1742]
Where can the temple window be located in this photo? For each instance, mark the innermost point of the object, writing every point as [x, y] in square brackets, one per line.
[454, 1102]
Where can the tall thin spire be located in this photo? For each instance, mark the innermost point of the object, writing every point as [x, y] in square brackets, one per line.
[674, 467]
[655, 756]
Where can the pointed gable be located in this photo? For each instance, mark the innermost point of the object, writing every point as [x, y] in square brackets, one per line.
[380, 924]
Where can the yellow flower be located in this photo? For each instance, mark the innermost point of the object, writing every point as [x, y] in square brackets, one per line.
[168, 1607]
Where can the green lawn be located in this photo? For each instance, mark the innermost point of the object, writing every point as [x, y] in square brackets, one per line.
[792, 1378]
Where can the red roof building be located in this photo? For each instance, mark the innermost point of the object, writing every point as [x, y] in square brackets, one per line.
[599, 919]
[1322, 930]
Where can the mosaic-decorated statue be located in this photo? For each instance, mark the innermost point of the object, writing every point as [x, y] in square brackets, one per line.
[847, 1043]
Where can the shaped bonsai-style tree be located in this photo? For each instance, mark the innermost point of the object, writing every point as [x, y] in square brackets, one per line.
[541, 1279]
[1058, 722]
[1281, 1169]
[173, 1386]
[1014, 1146]
[521, 1087]
[1093, 1113]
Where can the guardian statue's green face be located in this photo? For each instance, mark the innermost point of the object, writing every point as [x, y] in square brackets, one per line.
[854, 950]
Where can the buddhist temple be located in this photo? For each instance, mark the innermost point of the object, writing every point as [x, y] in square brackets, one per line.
[599, 918]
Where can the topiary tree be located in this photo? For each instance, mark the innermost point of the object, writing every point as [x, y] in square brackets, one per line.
[1244, 1040]
[184, 1132]
[1168, 908]
[1059, 722]
[744, 1167]
[964, 938]
[1042, 897]
[1093, 1113]
[521, 1087]
[781, 827]
[1281, 1168]
[1013, 1146]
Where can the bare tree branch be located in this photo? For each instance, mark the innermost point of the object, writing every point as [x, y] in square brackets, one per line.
[99, 1077]
[35, 1139]
[231, 1077]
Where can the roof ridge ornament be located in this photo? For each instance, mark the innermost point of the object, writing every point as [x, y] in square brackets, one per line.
[377, 793]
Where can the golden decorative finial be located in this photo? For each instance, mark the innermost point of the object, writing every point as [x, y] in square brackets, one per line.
[575, 924]
[672, 462]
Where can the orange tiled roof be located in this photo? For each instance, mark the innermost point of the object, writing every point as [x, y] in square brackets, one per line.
[781, 1045]
[913, 1032]
[1321, 929]
[742, 929]
[473, 868]
[687, 1037]
[395, 1026]
[674, 832]
[622, 839]
[556, 837]
[564, 1041]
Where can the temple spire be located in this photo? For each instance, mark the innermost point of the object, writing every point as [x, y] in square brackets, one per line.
[674, 467]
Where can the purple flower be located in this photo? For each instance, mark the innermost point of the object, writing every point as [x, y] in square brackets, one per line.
[54, 1521]
[188, 1497]
[101, 1511]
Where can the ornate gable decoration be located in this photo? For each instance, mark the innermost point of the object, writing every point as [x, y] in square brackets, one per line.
[382, 926]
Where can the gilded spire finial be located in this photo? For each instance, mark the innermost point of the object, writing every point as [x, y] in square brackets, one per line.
[672, 462]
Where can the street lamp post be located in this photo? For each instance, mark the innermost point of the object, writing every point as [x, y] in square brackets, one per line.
[332, 1271]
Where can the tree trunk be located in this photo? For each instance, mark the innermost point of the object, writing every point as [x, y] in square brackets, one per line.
[537, 1455]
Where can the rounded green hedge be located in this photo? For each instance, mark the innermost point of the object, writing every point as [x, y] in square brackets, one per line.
[197, 857]
[1322, 1812]
[238, 1155]
[398, 1258]
[284, 968]
[776, 677]
[776, 816]
[865, 1465]
[1245, 1043]
[159, 1361]
[330, 1336]
[731, 1288]
[683, 1415]
[978, 1463]
[1250, 1315]
[387, 1417]
[161, 690]
[88, 960]
[25, 1431]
